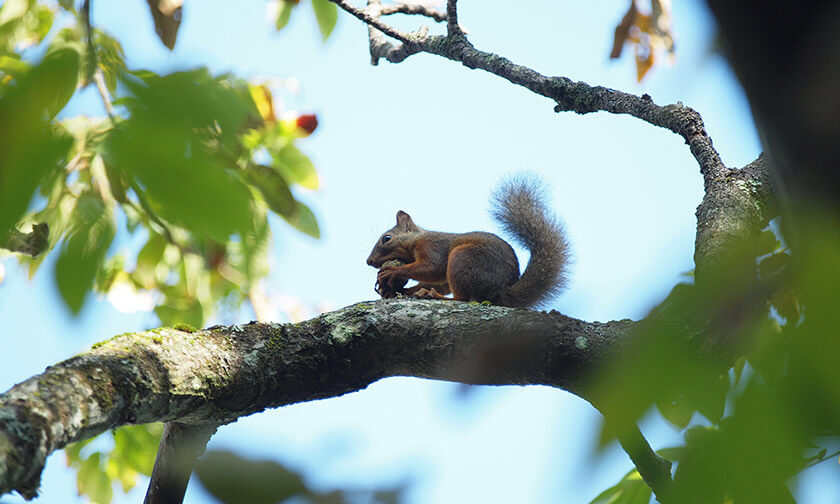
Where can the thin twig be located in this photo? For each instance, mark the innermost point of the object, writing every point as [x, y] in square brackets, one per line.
[569, 95]
[365, 17]
[99, 79]
[452, 28]
[654, 470]
[413, 9]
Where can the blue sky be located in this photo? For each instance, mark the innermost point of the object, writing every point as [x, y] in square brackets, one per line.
[433, 138]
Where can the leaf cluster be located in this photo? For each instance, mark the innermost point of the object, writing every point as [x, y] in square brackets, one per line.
[189, 163]
[753, 386]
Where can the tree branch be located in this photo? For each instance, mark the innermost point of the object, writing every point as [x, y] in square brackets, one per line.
[31, 243]
[180, 447]
[452, 28]
[412, 9]
[217, 375]
[567, 94]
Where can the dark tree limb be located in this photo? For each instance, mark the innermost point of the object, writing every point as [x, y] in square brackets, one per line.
[31, 243]
[180, 447]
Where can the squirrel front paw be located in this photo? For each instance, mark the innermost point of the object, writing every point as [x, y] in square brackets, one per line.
[387, 284]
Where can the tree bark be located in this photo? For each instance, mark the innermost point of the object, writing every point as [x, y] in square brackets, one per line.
[217, 375]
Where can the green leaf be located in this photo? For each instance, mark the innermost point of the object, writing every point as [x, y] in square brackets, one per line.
[55, 79]
[296, 167]
[304, 220]
[677, 411]
[84, 250]
[31, 146]
[93, 481]
[68, 5]
[255, 252]
[170, 145]
[183, 181]
[14, 9]
[674, 453]
[13, 66]
[108, 273]
[284, 14]
[234, 480]
[326, 13]
[110, 57]
[148, 259]
[183, 311]
[273, 188]
[630, 490]
[135, 447]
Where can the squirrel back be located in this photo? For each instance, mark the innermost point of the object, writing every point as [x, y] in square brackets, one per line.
[478, 266]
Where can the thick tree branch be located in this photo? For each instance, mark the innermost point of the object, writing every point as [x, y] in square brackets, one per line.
[736, 206]
[217, 375]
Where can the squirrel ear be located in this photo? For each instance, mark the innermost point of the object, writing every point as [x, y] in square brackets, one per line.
[404, 221]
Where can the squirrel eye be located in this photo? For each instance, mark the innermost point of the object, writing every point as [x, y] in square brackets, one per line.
[386, 239]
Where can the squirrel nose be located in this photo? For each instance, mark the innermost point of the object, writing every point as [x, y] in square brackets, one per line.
[370, 261]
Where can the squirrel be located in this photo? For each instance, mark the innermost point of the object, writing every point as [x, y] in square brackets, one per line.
[478, 266]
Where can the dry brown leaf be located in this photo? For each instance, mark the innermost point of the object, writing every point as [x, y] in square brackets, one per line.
[166, 15]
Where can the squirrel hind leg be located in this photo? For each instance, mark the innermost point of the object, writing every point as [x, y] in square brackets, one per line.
[424, 293]
[474, 273]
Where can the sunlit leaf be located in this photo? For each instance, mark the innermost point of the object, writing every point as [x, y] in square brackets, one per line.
[296, 167]
[12, 66]
[147, 261]
[262, 98]
[93, 482]
[184, 311]
[630, 490]
[326, 13]
[107, 274]
[284, 13]
[135, 447]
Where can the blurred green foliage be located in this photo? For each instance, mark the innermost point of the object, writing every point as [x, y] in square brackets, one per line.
[234, 480]
[326, 14]
[190, 163]
[133, 455]
[747, 367]
[187, 161]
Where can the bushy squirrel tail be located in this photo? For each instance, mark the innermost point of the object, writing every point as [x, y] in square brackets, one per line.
[519, 205]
